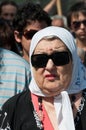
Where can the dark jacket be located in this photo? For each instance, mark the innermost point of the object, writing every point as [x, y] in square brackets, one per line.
[81, 116]
[17, 113]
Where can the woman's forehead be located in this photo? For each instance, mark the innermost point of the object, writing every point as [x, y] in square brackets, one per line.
[55, 44]
[51, 42]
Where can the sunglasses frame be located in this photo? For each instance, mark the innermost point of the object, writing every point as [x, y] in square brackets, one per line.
[77, 24]
[29, 34]
[40, 60]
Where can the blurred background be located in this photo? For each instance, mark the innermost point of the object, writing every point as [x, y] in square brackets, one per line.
[61, 8]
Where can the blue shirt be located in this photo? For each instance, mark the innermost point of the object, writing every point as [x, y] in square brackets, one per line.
[14, 74]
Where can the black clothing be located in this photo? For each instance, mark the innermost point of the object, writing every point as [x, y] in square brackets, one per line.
[81, 115]
[17, 113]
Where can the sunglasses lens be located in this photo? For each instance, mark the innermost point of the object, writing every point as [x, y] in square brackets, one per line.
[76, 24]
[59, 59]
[29, 34]
[39, 60]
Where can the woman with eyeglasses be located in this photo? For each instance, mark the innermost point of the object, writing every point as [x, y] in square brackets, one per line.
[56, 71]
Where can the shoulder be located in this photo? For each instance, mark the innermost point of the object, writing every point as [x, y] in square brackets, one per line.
[15, 100]
[14, 108]
[8, 55]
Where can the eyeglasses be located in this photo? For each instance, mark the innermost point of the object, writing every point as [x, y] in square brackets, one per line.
[76, 24]
[29, 34]
[59, 59]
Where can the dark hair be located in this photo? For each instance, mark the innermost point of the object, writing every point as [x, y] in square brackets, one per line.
[75, 9]
[30, 12]
[7, 35]
[7, 2]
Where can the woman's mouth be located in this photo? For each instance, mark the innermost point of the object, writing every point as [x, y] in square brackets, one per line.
[50, 76]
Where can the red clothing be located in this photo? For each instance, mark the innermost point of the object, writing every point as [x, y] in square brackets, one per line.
[46, 121]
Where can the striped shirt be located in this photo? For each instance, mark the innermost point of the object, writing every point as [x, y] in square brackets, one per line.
[14, 74]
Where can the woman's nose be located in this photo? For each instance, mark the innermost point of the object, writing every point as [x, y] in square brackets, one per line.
[50, 64]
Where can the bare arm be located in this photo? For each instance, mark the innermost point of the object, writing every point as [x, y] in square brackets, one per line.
[50, 5]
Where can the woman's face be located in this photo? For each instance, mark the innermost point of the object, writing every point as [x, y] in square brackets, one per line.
[52, 79]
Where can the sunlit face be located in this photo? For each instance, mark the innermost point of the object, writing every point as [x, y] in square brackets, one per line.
[35, 25]
[52, 79]
[81, 31]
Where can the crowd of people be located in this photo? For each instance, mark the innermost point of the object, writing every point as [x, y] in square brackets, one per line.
[42, 67]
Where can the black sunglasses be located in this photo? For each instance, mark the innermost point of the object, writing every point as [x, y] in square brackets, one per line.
[76, 24]
[59, 59]
[29, 34]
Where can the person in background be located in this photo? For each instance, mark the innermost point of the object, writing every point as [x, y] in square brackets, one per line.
[59, 21]
[30, 19]
[77, 24]
[14, 70]
[8, 10]
[81, 54]
[56, 71]
[7, 36]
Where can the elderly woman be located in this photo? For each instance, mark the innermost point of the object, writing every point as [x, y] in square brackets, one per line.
[55, 69]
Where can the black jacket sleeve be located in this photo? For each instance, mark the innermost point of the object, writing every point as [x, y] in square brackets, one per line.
[17, 113]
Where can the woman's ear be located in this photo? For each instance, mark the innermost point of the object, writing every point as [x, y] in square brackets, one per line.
[17, 37]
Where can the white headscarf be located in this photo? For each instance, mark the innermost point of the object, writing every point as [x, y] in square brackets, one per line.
[78, 81]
